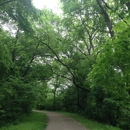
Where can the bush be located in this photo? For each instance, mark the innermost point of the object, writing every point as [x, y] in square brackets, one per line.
[16, 99]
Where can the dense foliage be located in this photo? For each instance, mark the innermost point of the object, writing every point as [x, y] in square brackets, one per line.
[78, 62]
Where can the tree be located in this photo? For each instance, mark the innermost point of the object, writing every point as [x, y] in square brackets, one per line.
[110, 75]
[83, 19]
[18, 12]
[16, 97]
[79, 63]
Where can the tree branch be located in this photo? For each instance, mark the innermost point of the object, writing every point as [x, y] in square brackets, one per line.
[59, 60]
[118, 14]
[31, 60]
[58, 74]
[6, 2]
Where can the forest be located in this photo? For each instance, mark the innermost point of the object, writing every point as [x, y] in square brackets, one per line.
[77, 62]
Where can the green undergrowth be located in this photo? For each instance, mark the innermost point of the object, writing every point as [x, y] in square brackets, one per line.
[35, 121]
[89, 124]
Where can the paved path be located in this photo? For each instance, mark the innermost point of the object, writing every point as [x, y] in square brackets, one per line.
[58, 121]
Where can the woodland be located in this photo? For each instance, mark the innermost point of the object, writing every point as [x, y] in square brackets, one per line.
[77, 62]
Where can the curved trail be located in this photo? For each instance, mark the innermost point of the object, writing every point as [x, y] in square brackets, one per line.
[58, 121]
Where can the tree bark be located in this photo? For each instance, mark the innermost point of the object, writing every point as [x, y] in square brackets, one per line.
[106, 18]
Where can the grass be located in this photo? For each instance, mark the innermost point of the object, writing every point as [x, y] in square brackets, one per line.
[35, 121]
[89, 124]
